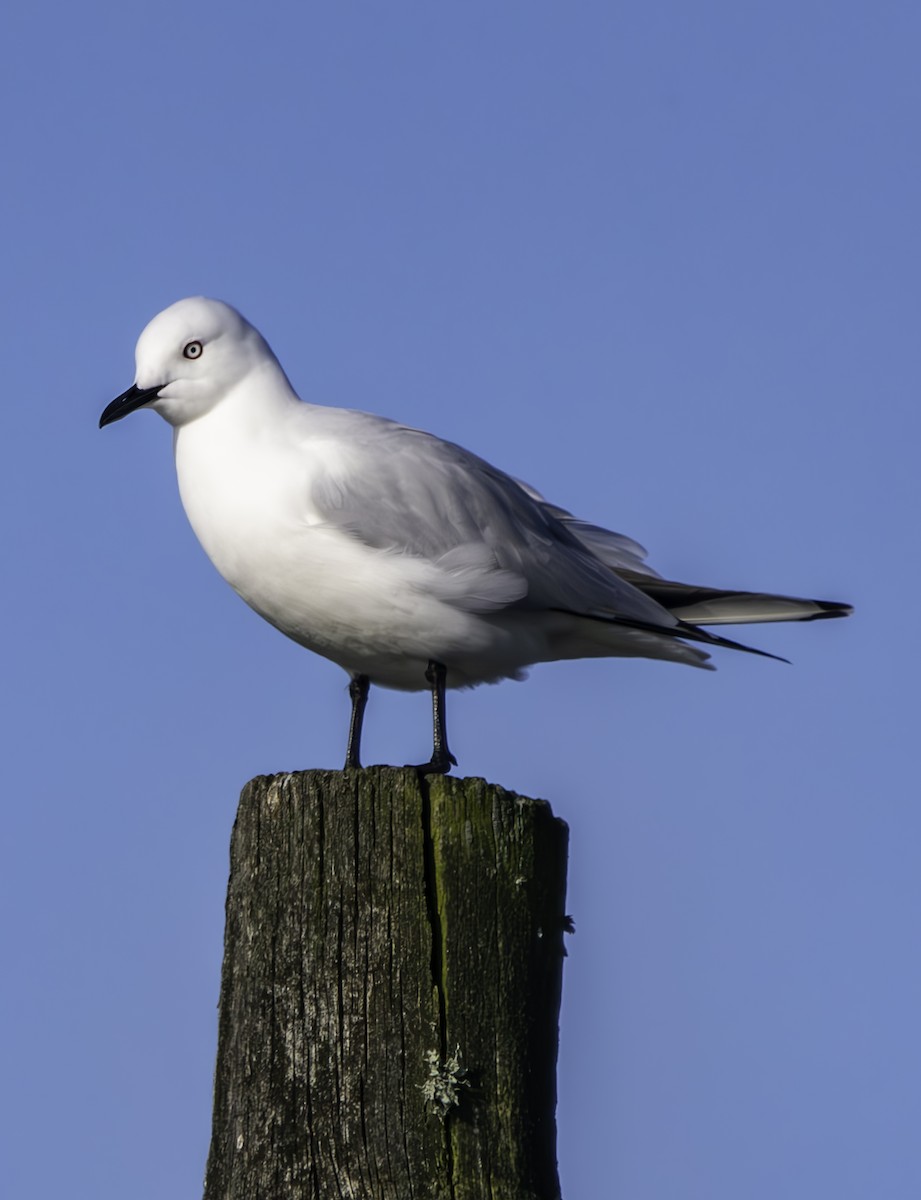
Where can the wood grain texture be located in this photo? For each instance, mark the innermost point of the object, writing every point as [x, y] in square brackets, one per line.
[390, 992]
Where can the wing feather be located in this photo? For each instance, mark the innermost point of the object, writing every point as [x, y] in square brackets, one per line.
[493, 542]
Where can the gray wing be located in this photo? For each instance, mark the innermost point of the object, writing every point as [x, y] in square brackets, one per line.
[616, 550]
[495, 542]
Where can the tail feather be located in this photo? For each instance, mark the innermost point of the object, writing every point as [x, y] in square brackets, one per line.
[692, 606]
[669, 641]
[714, 606]
[691, 633]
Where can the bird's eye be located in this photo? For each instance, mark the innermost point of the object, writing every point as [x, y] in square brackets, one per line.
[193, 350]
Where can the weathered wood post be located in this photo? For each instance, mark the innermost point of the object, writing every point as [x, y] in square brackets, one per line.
[390, 992]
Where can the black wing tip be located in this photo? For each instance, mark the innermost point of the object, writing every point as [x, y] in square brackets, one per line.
[829, 609]
[693, 633]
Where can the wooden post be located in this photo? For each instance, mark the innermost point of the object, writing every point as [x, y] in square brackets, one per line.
[390, 992]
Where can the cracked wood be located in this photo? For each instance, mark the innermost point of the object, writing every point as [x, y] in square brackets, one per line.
[390, 993]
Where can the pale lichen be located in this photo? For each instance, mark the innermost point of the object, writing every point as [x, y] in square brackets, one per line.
[446, 1079]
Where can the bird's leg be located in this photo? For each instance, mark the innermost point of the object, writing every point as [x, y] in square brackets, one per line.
[442, 758]
[358, 693]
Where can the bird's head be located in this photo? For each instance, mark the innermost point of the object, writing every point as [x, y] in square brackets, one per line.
[188, 358]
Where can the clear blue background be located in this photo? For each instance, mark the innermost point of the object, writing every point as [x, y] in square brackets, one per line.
[662, 261]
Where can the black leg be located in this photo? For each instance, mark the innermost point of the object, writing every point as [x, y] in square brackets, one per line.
[358, 692]
[442, 758]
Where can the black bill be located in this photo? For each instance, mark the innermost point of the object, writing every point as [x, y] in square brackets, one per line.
[127, 402]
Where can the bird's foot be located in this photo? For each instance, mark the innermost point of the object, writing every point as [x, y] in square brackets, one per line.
[439, 764]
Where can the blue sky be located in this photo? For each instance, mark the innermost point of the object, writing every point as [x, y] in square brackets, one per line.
[662, 262]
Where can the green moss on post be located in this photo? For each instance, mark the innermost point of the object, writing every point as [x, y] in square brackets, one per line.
[390, 994]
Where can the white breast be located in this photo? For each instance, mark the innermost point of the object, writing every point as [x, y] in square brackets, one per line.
[247, 497]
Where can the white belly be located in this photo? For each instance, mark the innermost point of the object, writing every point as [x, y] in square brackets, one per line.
[360, 607]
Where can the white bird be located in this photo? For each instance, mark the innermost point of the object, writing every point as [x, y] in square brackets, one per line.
[407, 560]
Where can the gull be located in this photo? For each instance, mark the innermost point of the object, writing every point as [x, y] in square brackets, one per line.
[407, 560]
